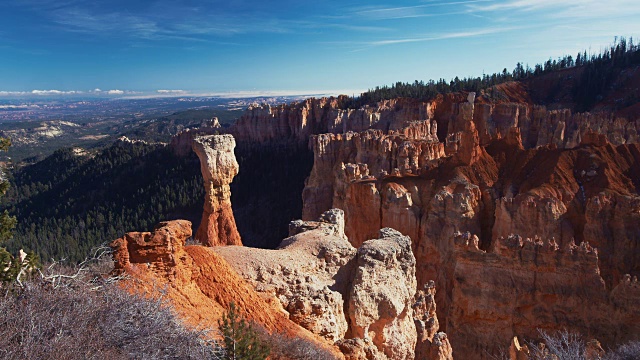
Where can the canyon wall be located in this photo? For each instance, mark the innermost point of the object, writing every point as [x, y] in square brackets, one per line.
[296, 122]
[497, 171]
[299, 121]
[526, 285]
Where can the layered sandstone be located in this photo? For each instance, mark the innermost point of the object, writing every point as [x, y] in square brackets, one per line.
[524, 285]
[360, 158]
[218, 166]
[297, 122]
[503, 170]
[431, 344]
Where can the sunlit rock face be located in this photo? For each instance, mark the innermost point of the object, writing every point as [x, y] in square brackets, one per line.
[218, 166]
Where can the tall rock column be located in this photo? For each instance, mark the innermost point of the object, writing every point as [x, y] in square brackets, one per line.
[219, 166]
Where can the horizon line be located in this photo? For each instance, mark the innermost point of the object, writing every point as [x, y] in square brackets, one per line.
[161, 93]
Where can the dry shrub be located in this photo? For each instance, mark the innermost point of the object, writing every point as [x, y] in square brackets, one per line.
[560, 345]
[628, 351]
[79, 313]
[285, 347]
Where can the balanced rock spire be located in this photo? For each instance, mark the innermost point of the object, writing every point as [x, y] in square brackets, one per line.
[219, 166]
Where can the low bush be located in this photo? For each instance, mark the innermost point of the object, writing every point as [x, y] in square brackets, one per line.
[78, 313]
[628, 351]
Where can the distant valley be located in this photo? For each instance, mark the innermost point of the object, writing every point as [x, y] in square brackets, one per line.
[37, 127]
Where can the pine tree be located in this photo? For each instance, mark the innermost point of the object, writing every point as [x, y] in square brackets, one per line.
[240, 340]
[11, 267]
[7, 222]
[8, 266]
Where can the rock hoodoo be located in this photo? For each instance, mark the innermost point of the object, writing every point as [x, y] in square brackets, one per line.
[382, 293]
[219, 166]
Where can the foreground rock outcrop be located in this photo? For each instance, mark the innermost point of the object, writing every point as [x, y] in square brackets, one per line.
[363, 300]
[381, 295]
[194, 276]
[218, 165]
[197, 281]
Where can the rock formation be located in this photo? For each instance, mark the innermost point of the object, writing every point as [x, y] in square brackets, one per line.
[298, 121]
[218, 165]
[431, 344]
[522, 216]
[309, 273]
[382, 293]
[523, 285]
[363, 300]
[199, 283]
[498, 171]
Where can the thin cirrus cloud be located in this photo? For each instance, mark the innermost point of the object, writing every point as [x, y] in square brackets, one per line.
[81, 20]
[427, 38]
[193, 26]
[423, 10]
[453, 35]
[564, 9]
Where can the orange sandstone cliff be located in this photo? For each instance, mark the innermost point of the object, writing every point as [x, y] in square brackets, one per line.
[500, 171]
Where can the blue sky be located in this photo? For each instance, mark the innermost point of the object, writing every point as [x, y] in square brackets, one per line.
[209, 46]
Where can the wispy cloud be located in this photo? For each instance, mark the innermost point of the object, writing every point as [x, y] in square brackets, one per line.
[171, 91]
[359, 46]
[165, 20]
[55, 92]
[108, 24]
[257, 93]
[565, 8]
[199, 27]
[424, 10]
[454, 35]
[13, 93]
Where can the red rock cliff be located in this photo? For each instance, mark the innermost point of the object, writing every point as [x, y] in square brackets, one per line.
[503, 170]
